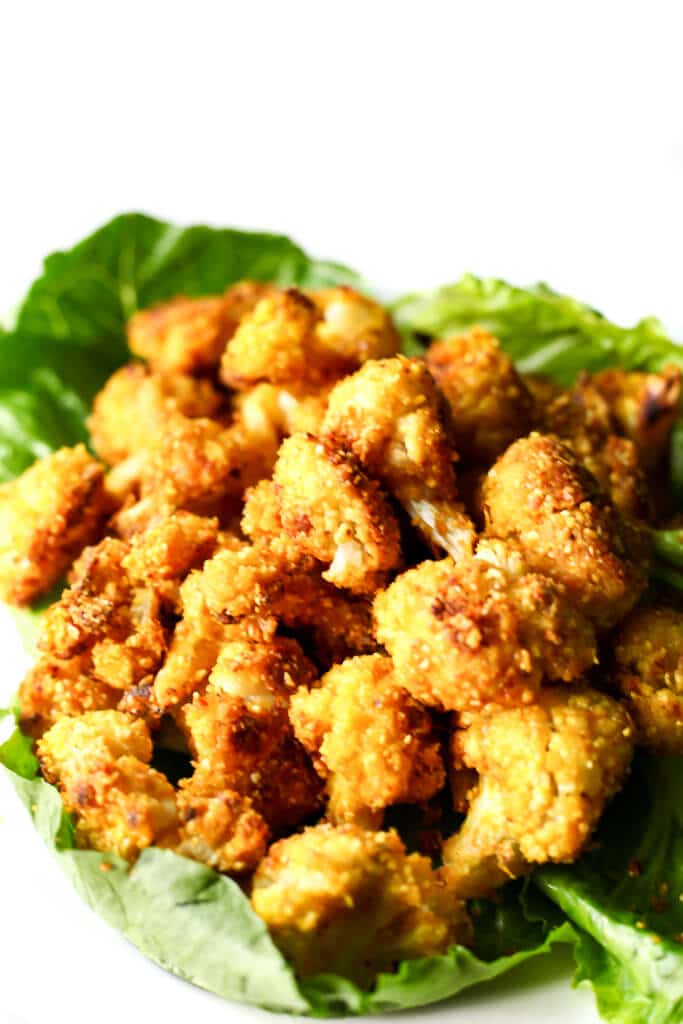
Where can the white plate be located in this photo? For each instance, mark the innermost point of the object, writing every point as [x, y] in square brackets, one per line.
[60, 963]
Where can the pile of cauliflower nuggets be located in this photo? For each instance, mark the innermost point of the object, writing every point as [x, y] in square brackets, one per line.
[341, 580]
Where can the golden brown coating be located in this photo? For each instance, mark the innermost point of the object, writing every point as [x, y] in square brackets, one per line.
[370, 740]
[389, 416]
[47, 516]
[195, 464]
[105, 612]
[354, 326]
[546, 772]
[485, 630]
[489, 402]
[99, 760]
[262, 674]
[189, 335]
[540, 496]
[134, 404]
[240, 746]
[173, 544]
[302, 341]
[352, 902]
[331, 510]
[220, 829]
[53, 688]
[645, 407]
[648, 670]
[277, 342]
[581, 417]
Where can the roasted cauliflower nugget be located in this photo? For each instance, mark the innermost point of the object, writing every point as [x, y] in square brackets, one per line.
[189, 335]
[485, 630]
[352, 902]
[645, 406]
[220, 829]
[489, 402]
[134, 404]
[239, 731]
[54, 688]
[99, 760]
[331, 510]
[546, 772]
[648, 670]
[539, 495]
[373, 743]
[106, 613]
[388, 415]
[303, 341]
[581, 417]
[47, 516]
[354, 327]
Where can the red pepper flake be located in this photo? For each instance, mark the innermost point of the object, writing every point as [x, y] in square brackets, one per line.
[635, 868]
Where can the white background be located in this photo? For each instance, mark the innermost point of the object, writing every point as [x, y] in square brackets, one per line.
[411, 140]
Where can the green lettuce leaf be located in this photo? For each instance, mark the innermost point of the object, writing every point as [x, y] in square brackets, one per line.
[542, 331]
[625, 899]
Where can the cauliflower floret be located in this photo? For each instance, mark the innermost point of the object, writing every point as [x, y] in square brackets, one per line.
[172, 545]
[54, 688]
[581, 418]
[220, 829]
[546, 772]
[100, 761]
[47, 516]
[246, 744]
[105, 613]
[195, 464]
[373, 743]
[645, 406]
[351, 902]
[134, 405]
[303, 341]
[355, 327]
[483, 631]
[189, 335]
[388, 415]
[277, 342]
[330, 510]
[490, 404]
[539, 495]
[648, 670]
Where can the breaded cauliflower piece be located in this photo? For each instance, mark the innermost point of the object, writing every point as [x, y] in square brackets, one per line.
[189, 335]
[539, 495]
[388, 415]
[195, 464]
[645, 406]
[220, 829]
[489, 401]
[238, 745]
[54, 688]
[485, 630]
[581, 417]
[105, 613]
[352, 902]
[277, 342]
[303, 341]
[47, 516]
[330, 510]
[100, 761]
[172, 545]
[648, 670]
[134, 404]
[546, 772]
[262, 674]
[373, 743]
[355, 327]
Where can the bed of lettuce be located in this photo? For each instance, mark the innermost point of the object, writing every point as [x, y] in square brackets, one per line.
[620, 907]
